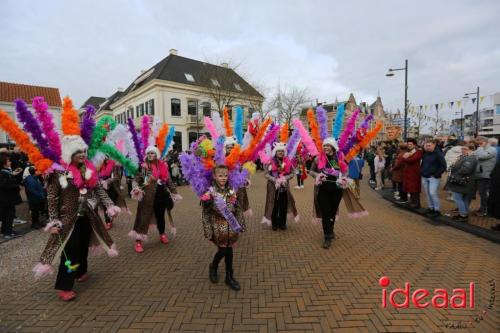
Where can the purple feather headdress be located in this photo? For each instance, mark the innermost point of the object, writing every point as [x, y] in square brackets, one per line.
[348, 130]
[30, 124]
[270, 136]
[237, 178]
[195, 173]
[135, 138]
[88, 124]
[366, 122]
[322, 122]
[293, 143]
[47, 122]
[353, 140]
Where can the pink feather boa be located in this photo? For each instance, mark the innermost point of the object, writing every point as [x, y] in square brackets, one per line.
[79, 181]
[107, 168]
[306, 138]
[159, 169]
[287, 168]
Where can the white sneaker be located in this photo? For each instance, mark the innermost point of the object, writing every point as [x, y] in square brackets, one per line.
[297, 187]
[302, 186]
[19, 221]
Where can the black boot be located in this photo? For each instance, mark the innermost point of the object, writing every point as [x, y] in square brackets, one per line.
[327, 243]
[212, 273]
[231, 282]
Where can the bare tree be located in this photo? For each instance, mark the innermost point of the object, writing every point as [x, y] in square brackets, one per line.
[288, 103]
[420, 118]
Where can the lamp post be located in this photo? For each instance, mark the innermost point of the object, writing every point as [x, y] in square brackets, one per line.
[391, 70]
[462, 120]
[477, 109]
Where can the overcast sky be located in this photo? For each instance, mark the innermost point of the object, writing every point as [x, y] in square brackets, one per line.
[333, 48]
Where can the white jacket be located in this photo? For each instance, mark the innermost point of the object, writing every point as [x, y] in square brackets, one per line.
[452, 155]
[379, 163]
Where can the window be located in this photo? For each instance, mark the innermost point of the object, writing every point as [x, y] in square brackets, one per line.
[189, 77]
[237, 86]
[137, 114]
[141, 109]
[146, 108]
[498, 110]
[215, 82]
[130, 112]
[192, 108]
[175, 106]
[192, 137]
[152, 107]
[207, 108]
[177, 141]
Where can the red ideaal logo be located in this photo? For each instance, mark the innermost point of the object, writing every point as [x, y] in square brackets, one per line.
[440, 298]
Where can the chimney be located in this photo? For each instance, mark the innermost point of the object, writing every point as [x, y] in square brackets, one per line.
[225, 64]
[120, 89]
[173, 51]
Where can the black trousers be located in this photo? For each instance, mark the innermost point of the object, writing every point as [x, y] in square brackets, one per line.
[278, 218]
[300, 182]
[7, 215]
[329, 197]
[227, 254]
[77, 251]
[402, 194]
[37, 209]
[163, 201]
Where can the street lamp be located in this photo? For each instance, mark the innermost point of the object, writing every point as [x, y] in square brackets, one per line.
[391, 70]
[477, 109]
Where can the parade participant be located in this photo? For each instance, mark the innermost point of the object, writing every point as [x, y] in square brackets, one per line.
[330, 167]
[155, 191]
[220, 229]
[110, 175]
[73, 192]
[279, 198]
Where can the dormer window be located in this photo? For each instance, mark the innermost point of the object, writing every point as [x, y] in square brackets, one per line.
[189, 77]
[237, 86]
[215, 82]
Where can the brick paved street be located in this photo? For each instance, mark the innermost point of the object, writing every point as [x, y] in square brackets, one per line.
[289, 283]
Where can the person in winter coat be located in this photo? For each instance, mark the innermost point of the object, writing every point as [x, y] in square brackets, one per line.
[355, 171]
[411, 175]
[494, 198]
[397, 173]
[433, 166]
[461, 181]
[37, 197]
[9, 195]
[379, 163]
[452, 154]
[487, 157]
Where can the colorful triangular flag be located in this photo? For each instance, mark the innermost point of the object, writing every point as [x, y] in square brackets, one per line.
[481, 99]
[473, 100]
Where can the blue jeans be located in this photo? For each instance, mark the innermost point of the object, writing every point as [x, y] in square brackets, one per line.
[431, 187]
[462, 201]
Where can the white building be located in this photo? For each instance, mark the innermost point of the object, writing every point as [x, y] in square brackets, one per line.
[489, 117]
[11, 91]
[178, 91]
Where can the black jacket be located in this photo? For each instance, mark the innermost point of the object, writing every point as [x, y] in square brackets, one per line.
[9, 189]
[433, 164]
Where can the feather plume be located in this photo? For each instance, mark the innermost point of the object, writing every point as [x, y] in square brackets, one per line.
[339, 120]
[168, 141]
[293, 143]
[270, 137]
[104, 125]
[365, 142]
[219, 151]
[31, 125]
[135, 139]
[69, 118]
[238, 177]
[161, 137]
[47, 122]
[238, 125]
[249, 153]
[314, 129]
[88, 124]
[211, 128]
[233, 157]
[217, 120]
[284, 133]
[306, 139]
[194, 172]
[227, 122]
[322, 122]
[41, 163]
[115, 155]
[348, 130]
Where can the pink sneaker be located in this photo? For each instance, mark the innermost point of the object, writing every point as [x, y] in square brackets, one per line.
[83, 278]
[164, 238]
[138, 247]
[66, 295]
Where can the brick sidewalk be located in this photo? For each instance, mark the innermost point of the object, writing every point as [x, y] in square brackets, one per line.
[289, 283]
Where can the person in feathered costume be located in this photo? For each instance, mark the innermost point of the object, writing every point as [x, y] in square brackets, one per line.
[154, 189]
[217, 169]
[279, 171]
[73, 191]
[330, 165]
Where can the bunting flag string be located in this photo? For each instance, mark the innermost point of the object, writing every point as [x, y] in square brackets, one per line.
[473, 100]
